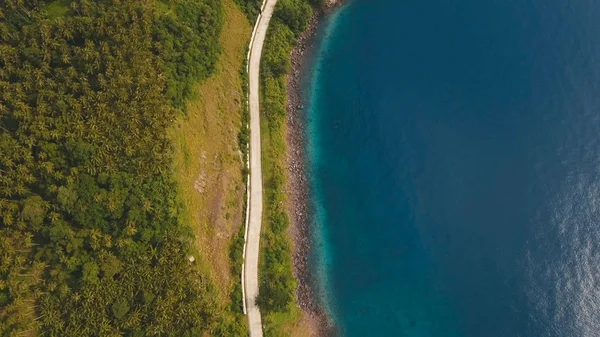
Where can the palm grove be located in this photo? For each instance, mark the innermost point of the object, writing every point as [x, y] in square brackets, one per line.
[92, 240]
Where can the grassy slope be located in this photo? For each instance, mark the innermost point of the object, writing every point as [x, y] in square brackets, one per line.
[207, 159]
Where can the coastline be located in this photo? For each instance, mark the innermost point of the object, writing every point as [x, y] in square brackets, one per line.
[299, 202]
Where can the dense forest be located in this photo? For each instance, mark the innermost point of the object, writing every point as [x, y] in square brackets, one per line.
[92, 240]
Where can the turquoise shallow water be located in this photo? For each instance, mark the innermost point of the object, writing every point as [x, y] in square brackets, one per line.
[454, 153]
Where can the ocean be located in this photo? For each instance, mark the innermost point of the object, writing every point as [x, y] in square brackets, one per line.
[454, 154]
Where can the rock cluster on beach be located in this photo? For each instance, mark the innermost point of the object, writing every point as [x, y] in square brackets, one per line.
[300, 206]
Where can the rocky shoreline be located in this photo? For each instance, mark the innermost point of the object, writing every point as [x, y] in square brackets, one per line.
[300, 207]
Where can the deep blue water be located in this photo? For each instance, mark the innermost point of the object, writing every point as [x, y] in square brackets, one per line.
[455, 154]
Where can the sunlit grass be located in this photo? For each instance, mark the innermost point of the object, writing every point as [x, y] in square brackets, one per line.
[207, 161]
[57, 9]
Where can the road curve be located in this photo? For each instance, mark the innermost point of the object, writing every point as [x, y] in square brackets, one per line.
[255, 208]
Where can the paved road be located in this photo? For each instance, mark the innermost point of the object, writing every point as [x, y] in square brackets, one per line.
[256, 190]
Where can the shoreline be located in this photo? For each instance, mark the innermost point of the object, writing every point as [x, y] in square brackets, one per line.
[300, 206]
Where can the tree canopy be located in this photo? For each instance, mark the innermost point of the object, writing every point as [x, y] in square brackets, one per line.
[92, 240]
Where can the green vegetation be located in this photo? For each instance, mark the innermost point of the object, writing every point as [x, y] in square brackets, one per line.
[251, 8]
[94, 236]
[277, 284]
[244, 133]
[57, 9]
[236, 249]
[209, 168]
[236, 255]
[188, 42]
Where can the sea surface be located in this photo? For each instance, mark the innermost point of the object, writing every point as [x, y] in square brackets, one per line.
[454, 150]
